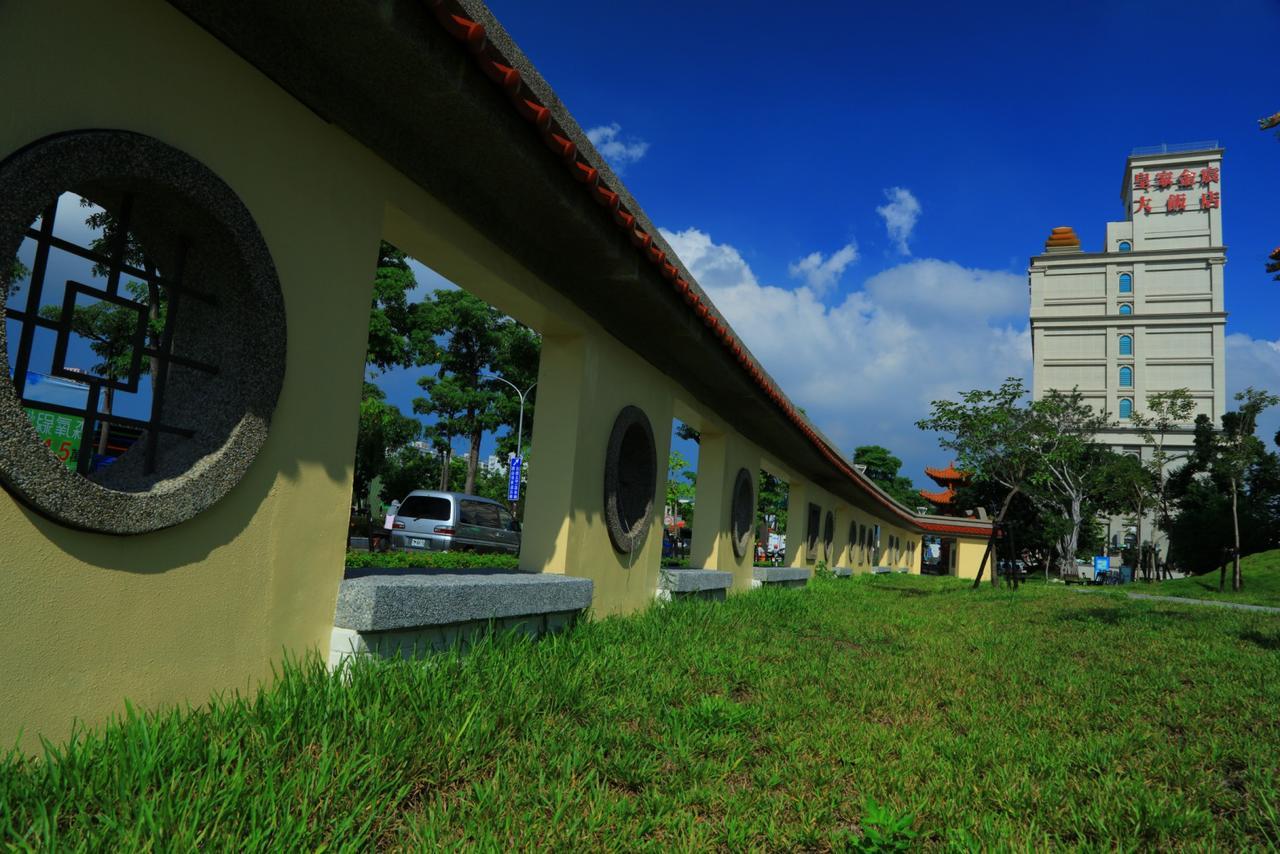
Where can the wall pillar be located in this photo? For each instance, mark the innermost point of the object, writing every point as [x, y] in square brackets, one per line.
[584, 381]
[800, 494]
[720, 457]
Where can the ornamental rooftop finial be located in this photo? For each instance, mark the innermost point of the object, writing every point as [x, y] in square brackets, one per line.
[1062, 239]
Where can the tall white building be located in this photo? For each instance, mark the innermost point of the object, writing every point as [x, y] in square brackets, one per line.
[1144, 314]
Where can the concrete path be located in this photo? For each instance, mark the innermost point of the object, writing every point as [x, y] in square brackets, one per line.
[1182, 600]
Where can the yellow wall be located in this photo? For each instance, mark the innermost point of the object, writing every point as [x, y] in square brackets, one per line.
[721, 454]
[969, 556]
[208, 606]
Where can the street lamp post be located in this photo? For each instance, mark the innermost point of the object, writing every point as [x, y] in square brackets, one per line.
[523, 395]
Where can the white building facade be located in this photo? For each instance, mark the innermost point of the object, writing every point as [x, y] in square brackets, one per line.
[1145, 314]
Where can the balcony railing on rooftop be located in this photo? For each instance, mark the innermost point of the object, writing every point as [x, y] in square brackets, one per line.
[1178, 148]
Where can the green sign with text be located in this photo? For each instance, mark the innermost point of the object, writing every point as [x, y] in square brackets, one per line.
[60, 433]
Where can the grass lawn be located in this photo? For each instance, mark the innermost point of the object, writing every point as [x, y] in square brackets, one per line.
[1261, 574]
[867, 713]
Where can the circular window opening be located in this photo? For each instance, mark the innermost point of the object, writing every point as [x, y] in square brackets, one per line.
[143, 332]
[743, 513]
[630, 480]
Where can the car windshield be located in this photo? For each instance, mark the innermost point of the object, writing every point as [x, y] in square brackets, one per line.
[425, 507]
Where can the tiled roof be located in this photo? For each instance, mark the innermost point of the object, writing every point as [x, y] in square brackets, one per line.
[524, 101]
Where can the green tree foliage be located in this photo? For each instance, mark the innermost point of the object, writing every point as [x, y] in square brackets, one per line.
[681, 484]
[1241, 470]
[772, 493]
[1070, 464]
[467, 339]
[684, 431]
[394, 340]
[383, 430]
[994, 436]
[1165, 412]
[882, 468]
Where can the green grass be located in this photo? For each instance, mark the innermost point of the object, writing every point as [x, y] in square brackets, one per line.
[430, 560]
[1260, 572]
[867, 713]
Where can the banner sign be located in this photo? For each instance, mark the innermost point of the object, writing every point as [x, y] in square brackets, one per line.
[513, 480]
[60, 433]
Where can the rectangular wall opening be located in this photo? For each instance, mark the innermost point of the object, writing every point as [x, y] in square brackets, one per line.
[446, 417]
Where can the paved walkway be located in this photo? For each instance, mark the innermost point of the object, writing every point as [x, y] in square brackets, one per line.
[1182, 600]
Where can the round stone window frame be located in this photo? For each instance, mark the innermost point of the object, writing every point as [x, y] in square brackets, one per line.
[630, 480]
[34, 177]
[742, 513]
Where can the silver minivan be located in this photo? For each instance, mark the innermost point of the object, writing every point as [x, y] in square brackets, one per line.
[427, 520]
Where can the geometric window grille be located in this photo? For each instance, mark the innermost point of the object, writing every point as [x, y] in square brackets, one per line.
[174, 294]
[167, 290]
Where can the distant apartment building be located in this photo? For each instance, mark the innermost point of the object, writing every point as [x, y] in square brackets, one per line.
[1144, 314]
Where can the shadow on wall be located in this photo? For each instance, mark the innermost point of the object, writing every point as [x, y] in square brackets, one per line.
[184, 544]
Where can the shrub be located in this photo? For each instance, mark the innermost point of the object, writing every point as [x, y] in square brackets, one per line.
[430, 560]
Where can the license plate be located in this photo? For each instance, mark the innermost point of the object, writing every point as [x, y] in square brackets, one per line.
[417, 544]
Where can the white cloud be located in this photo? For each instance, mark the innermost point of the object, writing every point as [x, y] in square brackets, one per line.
[820, 273]
[1254, 362]
[900, 216]
[619, 152]
[868, 368]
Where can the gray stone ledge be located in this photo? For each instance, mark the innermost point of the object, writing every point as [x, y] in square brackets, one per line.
[402, 599]
[694, 580]
[841, 571]
[792, 577]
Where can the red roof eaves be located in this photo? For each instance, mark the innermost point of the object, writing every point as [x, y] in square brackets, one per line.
[496, 67]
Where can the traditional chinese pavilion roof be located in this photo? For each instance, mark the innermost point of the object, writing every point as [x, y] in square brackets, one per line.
[948, 475]
[941, 499]
[1062, 239]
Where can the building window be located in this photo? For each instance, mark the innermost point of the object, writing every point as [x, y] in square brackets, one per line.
[1126, 345]
[1126, 308]
[1126, 408]
[1125, 246]
[1126, 283]
[1126, 377]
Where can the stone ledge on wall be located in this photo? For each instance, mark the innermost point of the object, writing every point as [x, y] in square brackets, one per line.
[783, 576]
[675, 583]
[412, 613]
[413, 599]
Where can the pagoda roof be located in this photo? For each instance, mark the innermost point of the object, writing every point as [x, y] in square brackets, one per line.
[944, 498]
[950, 474]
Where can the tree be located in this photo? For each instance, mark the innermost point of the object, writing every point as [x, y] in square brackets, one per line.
[1233, 452]
[773, 493]
[684, 431]
[681, 480]
[392, 339]
[1127, 487]
[1066, 476]
[994, 436]
[383, 430]
[1166, 411]
[882, 469]
[467, 338]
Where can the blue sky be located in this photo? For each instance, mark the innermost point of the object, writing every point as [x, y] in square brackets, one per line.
[758, 136]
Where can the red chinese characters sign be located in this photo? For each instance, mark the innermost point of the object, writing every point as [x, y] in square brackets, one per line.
[1184, 180]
